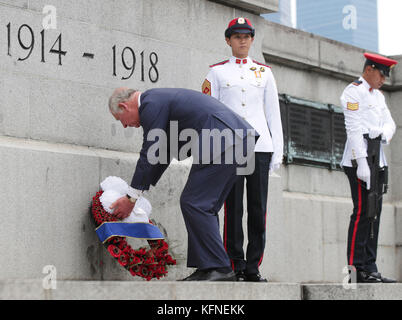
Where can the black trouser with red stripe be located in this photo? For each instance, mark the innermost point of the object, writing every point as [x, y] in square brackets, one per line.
[362, 250]
[257, 193]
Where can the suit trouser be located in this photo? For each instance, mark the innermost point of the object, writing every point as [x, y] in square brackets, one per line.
[362, 250]
[257, 193]
[203, 196]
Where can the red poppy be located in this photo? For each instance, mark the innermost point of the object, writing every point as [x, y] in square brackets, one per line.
[146, 263]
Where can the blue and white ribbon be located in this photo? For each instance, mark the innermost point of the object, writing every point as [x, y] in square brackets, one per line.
[137, 230]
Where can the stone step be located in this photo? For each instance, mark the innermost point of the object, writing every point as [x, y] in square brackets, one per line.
[360, 291]
[152, 290]
[176, 290]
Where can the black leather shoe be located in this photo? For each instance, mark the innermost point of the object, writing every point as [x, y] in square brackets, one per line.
[255, 277]
[366, 277]
[214, 275]
[240, 276]
[210, 275]
[194, 276]
[383, 279]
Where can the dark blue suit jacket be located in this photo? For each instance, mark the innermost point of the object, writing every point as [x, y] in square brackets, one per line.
[176, 110]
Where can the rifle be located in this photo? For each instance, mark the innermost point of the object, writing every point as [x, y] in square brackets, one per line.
[377, 189]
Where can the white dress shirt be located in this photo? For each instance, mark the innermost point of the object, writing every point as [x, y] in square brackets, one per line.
[364, 108]
[249, 89]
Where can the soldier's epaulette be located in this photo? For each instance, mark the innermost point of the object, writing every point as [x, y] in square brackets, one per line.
[219, 63]
[357, 82]
[261, 64]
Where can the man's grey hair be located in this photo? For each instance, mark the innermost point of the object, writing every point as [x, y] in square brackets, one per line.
[118, 97]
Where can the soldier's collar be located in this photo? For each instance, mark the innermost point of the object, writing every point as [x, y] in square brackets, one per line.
[242, 61]
[366, 84]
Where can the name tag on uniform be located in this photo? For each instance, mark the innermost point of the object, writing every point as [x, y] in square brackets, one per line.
[353, 106]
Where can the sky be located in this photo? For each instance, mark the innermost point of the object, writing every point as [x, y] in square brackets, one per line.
[390, 27]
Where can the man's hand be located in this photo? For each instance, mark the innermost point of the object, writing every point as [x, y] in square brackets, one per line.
[122, 207]
[363, 171]
[374, 132]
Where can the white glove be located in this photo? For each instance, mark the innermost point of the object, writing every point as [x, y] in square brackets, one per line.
[387, 134]
[274, 166]
[374, 132]
[363, 171]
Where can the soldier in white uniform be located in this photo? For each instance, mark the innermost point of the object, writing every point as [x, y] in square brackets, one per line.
[248, 88]
[365, 112]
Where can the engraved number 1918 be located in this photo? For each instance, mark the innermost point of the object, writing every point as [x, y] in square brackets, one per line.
[128, 61]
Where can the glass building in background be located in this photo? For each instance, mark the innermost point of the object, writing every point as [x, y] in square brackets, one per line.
[351, 21]
[283, 16]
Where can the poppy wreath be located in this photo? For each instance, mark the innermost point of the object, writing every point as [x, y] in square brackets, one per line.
[146, 263]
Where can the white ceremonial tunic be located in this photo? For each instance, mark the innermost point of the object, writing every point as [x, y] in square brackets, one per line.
[249, 89]
[364, 108]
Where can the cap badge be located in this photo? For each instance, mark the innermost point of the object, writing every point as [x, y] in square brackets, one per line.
[241, 21]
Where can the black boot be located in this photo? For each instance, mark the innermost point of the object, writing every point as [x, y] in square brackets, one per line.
[255, 277]
[366, 277]
[383, 279]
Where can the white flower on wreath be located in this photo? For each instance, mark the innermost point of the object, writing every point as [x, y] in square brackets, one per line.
[115, 188]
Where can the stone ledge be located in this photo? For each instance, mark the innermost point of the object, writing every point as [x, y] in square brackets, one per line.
[32, 289]
[143, 290]
[254, 6]
[363, 291]
[307, 51]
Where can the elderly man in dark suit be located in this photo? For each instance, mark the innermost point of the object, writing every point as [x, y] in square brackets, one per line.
[193, 115]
